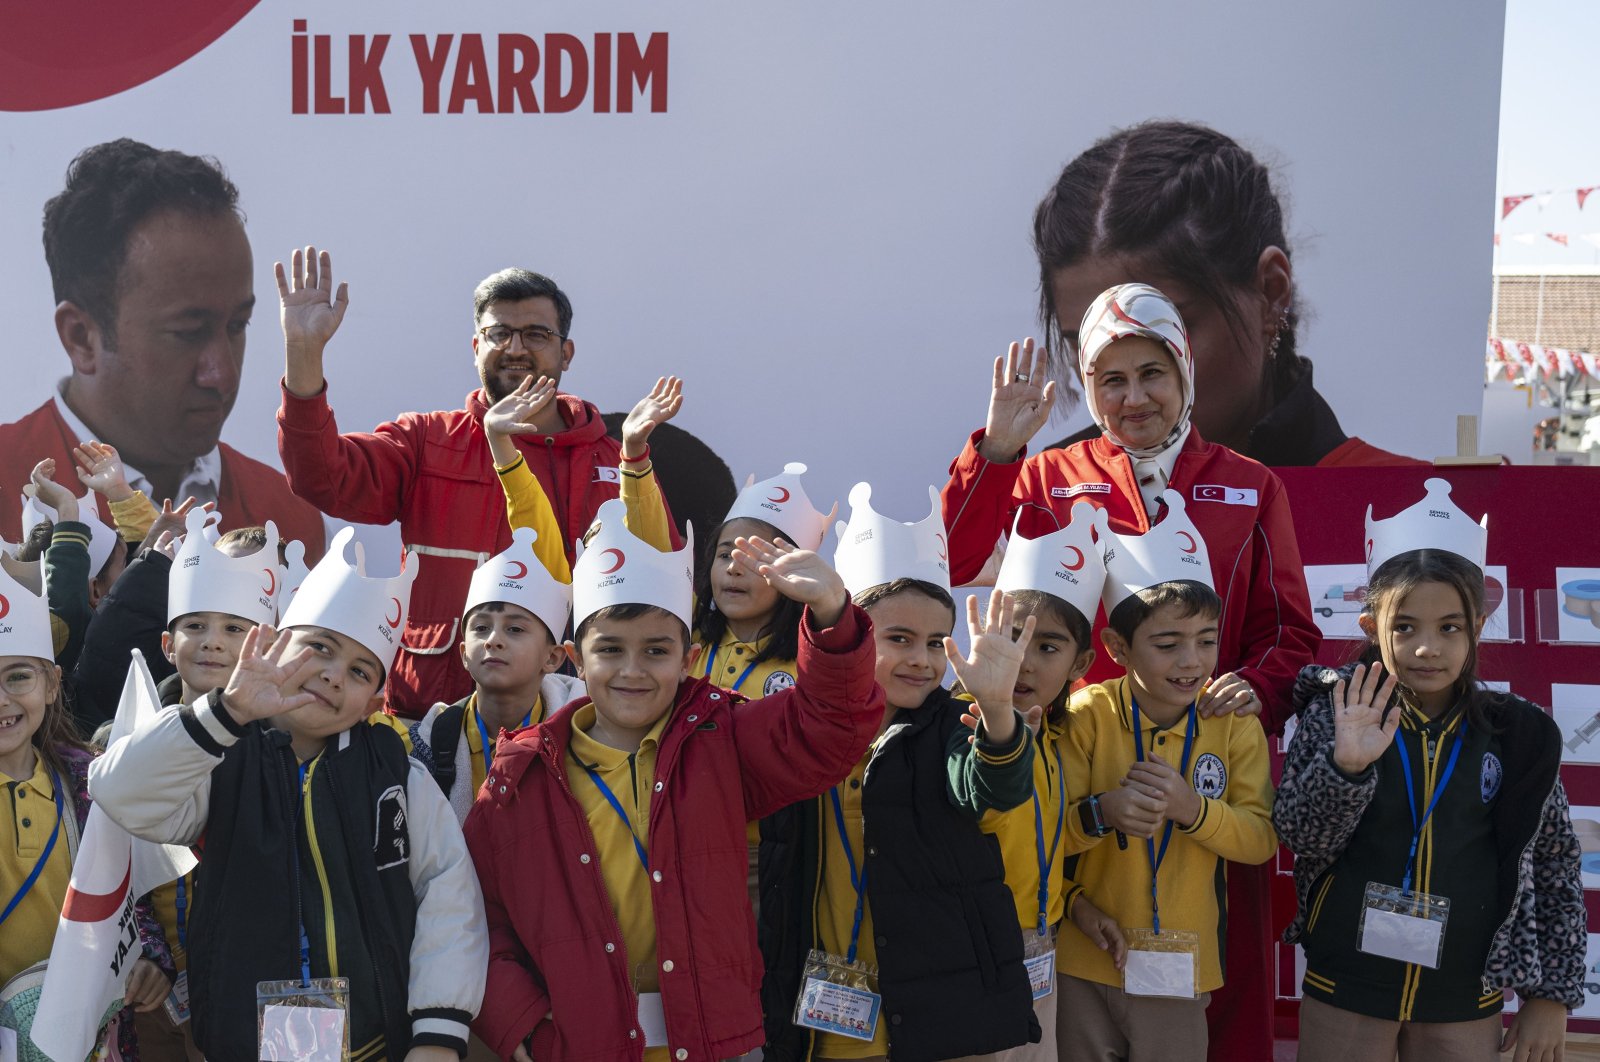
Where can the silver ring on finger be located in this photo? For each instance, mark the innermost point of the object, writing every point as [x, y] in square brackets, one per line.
[1021, 377]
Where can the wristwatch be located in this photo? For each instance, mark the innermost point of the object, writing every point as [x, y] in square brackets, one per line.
[1094, 823]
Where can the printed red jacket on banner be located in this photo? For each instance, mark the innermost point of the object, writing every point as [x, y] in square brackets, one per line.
[555, 944]
[1238, 504]
[434, 474]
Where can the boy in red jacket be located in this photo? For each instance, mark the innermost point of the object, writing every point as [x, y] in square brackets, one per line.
[610, 839]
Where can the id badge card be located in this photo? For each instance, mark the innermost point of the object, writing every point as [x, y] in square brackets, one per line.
[177, 1001]
[1165, 964]
[1403, 925]
[303, 1021]
[1039, 958]
[653, 1019]
[838, 996]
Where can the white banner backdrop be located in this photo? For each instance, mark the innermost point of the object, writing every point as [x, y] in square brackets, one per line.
[826, 232]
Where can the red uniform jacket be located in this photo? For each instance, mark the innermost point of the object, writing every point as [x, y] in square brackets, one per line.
[250, 493]
[1267, 633]
[554, 943]
[433, 473]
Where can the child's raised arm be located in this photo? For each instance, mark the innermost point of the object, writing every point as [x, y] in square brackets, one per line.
[100, 469]
[527, 505]
[996, 772]
[646, 514]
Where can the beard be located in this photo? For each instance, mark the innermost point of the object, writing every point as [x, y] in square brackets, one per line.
[500, 383]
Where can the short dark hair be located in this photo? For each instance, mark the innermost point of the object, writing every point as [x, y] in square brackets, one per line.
[514, 285]
[111, 189]
[43, 533]
[1192, 599]
[628, 612]
[1034, 602]
[872, 595]
[494, 607]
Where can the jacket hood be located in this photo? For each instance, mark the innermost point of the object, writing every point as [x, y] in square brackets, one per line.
[583, 420]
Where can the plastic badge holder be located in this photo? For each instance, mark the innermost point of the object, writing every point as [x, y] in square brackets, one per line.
[1403, 925]
[1039, 958]
[1165, 964]
[303, 1021]
[177, 1001]
[840, 997]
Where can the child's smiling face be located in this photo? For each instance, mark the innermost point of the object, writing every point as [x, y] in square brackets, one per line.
[27, 687]
[632, 668]
[345, 684]
[204, 647]
[909, 629]
[1169, 658]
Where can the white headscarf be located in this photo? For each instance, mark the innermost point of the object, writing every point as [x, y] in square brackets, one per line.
[1135, 310]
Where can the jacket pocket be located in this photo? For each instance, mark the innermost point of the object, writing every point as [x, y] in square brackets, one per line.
[430, 639]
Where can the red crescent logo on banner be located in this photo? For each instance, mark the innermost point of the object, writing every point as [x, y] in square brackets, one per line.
[620, 558]
[54, 56]
[5, 607]
[272, 581]
[397, 613]
[516, 570]
[781, 497]
[90, 907]
[1192, 547]
[1074, 567]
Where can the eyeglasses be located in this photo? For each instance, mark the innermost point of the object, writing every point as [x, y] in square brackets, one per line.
[534, 338]
[20, 681]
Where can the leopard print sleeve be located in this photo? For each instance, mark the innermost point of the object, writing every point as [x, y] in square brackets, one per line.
[1560, 924]
[1318, 806]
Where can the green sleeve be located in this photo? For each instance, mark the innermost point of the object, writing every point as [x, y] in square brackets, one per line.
[983, 776]
[66, 580]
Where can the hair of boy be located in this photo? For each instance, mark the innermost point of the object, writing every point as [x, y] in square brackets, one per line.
[1189, 597]
[111, 189]
[515, 285]
[496, 607]
[253, 537]
[1035, 602]
[872, 595]
[782, 630]
[621, 613]
[1399, 576]
[42, 534]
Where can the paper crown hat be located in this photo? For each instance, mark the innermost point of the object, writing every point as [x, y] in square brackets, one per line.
[873, 549]
[24, 616]
[781, 501]
[1435, 522]
[205, 579]
[294, 555]
[343, 599]
[102, 540]
[518, 577]
[1067, 563]
[617, 568]
[1171, 551]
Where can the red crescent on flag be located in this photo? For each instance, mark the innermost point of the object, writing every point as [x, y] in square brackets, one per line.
[620, 558]
[92, 907]
[5, 606]
[1192, 547]
[272, 581]
[783, 496]
[398, 611]
[516, 570]
[1074, 567]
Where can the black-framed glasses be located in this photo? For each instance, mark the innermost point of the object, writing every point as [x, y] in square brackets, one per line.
[20, 680]
[534, 338]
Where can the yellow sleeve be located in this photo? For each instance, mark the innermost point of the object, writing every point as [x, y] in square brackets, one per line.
[1077, 748]
[395, 723]
[1238, 826]
[646, 513]
[528, 506]
[134, 516]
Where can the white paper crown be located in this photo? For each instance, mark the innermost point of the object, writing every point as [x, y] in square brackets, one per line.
[1067, 563]
[24, 616]
[294, 573]
[519, 578]
[341, 598]
[1171, 551]
[204, 579]
[1435, 522]
[873, 549]
[102, 540]
[616, 568]
[781, 501]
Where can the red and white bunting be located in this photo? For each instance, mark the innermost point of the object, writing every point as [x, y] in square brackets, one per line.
[1511, 202]
[1523, 362]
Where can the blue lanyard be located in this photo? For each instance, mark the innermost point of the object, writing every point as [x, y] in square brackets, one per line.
[857, 881]
[616, 805]
[1438, 791]
[483, 733]
[181, 904]
[1047, 861]
[711, 671]
[305, 941]
[49, 846]
[1156, 859]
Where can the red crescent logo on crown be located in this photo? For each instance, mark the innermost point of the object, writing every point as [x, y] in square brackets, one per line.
[96, 907]
[272, 582]
[781, 497]
[1192, 547]
[1369, 551]
[398, 611]
[1079, 565]
[516, 570]
[5, 607]
[620, 558]
[943, 551]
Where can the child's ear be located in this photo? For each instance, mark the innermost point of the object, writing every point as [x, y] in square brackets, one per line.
[553, 659]
[1477, 628]
[690, 657]
[1081, 666]
[1115, 646]
[166, 647]
[374, 705]
[572, 654]
[1368, 625]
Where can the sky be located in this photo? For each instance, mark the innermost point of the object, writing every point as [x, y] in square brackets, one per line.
[1550, 132]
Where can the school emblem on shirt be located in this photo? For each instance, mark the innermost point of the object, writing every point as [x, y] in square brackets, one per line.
[1490, 778]
[391, 842]
[778, 680]
[1210, 776]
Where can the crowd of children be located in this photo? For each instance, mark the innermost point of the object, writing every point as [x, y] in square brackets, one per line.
[700, 805]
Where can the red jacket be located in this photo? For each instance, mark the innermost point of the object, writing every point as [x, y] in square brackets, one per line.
[249, 493]
[433, 473]
[554, 943]
[1267, 630]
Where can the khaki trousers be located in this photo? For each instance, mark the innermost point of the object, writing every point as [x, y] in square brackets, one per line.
[1328, 1034]
[1099, 1023]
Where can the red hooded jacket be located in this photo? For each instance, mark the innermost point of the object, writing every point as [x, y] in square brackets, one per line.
[554, 943]
[433, 473]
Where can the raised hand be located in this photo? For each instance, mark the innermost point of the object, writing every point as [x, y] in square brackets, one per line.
[100, 469]
[797, 574]
[166, 544]
[42, 485]
[1228, 693]
[310, 312]
[173, 520]
[1019, 404]
[513, 414]
[652, 411]
[255, 689]
[1360, 731]
[1155, 773]
[989, 671]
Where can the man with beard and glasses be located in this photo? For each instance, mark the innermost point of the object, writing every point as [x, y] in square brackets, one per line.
[433, 471]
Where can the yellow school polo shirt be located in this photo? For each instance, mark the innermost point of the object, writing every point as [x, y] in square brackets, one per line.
[25, 827]
[469, 729]
[727, 664]
[836, 906]
[1017, 831]
[630, 778]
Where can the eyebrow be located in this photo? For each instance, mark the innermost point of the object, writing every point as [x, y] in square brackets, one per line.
[655, 639]
[1446, 616]
[1180, 634]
